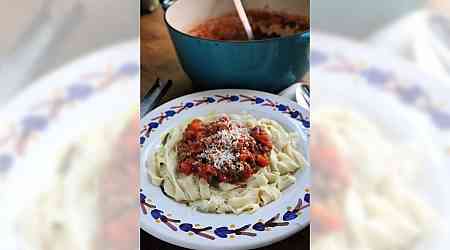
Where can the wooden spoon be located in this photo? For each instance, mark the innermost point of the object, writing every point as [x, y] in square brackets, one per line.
[244, 19]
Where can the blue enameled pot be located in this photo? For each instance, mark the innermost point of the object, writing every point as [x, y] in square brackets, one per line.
[269, 65]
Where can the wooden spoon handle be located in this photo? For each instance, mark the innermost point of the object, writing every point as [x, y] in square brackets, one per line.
[244, 19]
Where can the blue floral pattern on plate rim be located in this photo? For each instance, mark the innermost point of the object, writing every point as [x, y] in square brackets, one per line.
[296, 114]
[148, 208]
[42, 114]
[385, 80]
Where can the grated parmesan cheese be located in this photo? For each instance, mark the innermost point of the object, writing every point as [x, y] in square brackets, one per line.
[221, 147]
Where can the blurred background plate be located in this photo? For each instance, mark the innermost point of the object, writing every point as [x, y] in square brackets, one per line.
[48, 117]
[407, 104]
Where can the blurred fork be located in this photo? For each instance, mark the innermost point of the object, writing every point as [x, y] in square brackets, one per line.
[154, 95]
[298, 92]
[306, 94]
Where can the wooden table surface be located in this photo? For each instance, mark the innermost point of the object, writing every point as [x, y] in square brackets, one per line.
[158, 59]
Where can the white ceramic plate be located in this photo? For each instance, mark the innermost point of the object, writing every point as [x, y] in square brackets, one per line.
[405, 103]
[178, 224]
[50, 115]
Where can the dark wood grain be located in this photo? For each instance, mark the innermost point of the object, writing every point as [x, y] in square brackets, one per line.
[158, 59]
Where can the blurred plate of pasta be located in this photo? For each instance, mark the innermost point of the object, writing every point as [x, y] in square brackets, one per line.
[63, 140]
[379, 150]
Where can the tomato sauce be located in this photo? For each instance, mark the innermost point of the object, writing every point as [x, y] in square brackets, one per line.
[265, 24]
[223, 151]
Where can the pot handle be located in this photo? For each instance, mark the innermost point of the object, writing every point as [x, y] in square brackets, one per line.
[165, 4]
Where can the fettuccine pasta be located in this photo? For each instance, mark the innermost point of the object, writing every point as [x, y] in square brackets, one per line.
[222, 191]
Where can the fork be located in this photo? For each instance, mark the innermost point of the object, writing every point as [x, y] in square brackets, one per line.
[154, 95]
[306, 95]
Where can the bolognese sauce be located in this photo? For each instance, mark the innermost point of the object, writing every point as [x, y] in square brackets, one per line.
[265, 24]
[223, 151]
